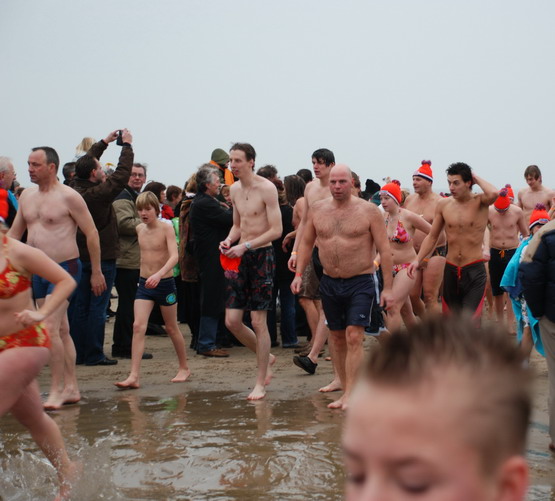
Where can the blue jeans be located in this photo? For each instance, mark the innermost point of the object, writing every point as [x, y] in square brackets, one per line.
[207, 334]
[287, 303]
[89, 314]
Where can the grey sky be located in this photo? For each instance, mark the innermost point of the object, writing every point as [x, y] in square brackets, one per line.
[384, 84]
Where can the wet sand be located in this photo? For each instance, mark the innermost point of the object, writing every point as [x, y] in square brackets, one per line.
[203, 440]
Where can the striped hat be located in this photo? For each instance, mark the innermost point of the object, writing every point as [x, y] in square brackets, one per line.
[425, 170]
[393, 189]
[539, 216]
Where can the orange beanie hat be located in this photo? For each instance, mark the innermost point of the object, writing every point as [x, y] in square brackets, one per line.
[425, 170]
[503, 201]
[393, 189]
[539, 216]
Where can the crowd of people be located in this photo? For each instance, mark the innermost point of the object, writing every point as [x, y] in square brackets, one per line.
[239, 251]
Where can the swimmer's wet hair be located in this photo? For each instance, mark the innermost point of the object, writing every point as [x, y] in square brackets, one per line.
[148, 199]
[499, 398]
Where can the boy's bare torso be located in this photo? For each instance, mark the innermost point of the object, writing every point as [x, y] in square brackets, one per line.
[154, 248]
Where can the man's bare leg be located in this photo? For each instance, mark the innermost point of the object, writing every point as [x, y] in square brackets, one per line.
[71, 392]
[340, 349]
[258, 342]
[432, 277]
[335, 385]
[311, 311]
[354, 336]
[62, 364]
[321, 335]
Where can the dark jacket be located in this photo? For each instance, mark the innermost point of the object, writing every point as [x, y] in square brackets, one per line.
[210, 224]
[99, 198]
[537, 273]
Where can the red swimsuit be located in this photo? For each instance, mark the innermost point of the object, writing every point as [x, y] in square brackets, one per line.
[13, 282]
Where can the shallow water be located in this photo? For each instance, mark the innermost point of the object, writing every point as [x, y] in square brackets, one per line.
[186, 446]
[193, 445]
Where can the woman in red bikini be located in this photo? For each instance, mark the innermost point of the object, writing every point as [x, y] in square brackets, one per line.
[24, 344]
[400, 225]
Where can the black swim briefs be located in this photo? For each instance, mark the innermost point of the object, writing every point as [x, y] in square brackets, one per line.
[499, 259]
[464, 287]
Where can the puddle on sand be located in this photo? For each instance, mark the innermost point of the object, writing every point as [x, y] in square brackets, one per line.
[209, 445]
[197, 445]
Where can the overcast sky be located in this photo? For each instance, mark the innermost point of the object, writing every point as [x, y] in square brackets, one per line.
[384, 84]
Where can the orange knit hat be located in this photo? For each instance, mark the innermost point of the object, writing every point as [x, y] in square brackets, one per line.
[393, 189]
[425, 170]
[503, 201]
[539, 216]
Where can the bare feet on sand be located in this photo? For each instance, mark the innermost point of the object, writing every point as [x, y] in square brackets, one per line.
[335, 385]
[57, 400]
[131, 383]
[68, 478]
[258, 393]
[269, 372]
[339, 404]
[181, 376]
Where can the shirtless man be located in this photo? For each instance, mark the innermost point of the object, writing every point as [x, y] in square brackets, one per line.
[256, 223]
[51, 213]
[506, 222]
[323, 161]
[464, 217]
[349, 230]
[536, 193]
[424, 202]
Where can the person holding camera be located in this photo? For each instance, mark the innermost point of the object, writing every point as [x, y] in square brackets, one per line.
[89, 313]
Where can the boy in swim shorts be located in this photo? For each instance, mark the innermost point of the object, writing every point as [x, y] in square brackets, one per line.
[158, 257]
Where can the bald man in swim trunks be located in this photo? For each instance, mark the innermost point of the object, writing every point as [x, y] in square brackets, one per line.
[464, 216]
[349, 231]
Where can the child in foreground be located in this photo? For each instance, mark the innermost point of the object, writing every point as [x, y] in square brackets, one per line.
[158, 257]
[440, 414]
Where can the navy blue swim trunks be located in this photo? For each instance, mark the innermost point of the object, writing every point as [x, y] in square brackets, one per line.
[347, 301]
[164, 294]
[253, 287]
[42, 287]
